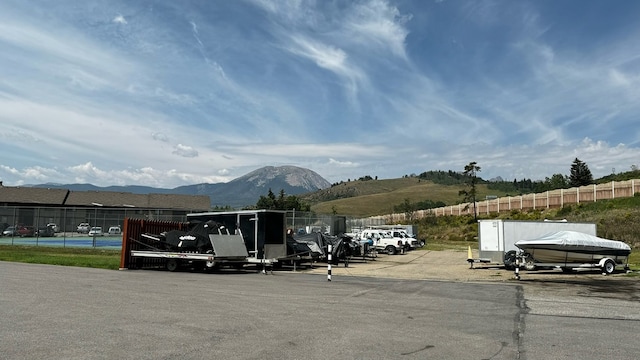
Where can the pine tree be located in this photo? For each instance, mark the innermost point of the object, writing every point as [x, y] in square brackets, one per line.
[469, 195]
[580, 174]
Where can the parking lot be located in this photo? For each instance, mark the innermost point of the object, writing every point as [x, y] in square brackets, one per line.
[78, 313]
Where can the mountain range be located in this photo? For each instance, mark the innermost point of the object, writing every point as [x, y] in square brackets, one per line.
[237, 193]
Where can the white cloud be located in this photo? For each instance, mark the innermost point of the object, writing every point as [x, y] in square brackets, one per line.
[119, 19]
[160, 137]
[344, 88]
[377, 22]
[185, 151]
[338, 163]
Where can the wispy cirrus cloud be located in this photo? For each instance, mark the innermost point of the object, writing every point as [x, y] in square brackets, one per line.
[207, 92]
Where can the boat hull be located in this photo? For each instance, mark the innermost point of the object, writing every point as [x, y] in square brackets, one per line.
[562, 255]
[570, 247]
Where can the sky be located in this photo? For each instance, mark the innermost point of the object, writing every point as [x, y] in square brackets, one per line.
[168, 93]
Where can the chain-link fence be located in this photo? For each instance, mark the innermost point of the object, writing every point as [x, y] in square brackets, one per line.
[330, 224]
[51, 225]
[72, 226]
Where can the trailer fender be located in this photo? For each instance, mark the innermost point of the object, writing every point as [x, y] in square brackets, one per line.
[607, 265]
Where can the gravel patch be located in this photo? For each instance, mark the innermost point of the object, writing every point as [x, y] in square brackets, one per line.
[446, 265]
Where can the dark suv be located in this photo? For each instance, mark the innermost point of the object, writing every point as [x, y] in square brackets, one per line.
[46, 231]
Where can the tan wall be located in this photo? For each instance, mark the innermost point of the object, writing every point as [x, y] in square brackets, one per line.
[547, 200]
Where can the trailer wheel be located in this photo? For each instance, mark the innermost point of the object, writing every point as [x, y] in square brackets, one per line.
[510, 260]
[529, 264]
[210, 264]
[609, 267]
[390, 250]
[172, 264]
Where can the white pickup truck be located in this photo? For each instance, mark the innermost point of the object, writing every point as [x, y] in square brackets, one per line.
[383, 241]
[410, 242]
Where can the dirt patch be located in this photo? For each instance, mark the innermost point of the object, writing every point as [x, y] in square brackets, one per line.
[448, 265]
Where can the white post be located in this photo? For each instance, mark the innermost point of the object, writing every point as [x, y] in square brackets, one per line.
[613, 190]
[520, 202]
[534, 201]
[547, 199]
[329, 249]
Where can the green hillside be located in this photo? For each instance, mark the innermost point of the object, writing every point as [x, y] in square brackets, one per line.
[378, 197]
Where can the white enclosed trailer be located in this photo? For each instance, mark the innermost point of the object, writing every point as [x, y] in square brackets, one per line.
[497, 237]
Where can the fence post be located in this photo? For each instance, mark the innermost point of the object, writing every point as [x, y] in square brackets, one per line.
[329, 250]
[547, 199]
[613, 190]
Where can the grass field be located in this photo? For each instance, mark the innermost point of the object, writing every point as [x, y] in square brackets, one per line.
[93, 258]
[378, 197]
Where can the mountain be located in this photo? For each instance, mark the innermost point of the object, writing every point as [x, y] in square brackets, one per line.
[242, 191]
[247, 189]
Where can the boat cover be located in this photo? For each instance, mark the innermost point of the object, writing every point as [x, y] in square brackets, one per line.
[195, 239]
[317, 243]
[571, 239]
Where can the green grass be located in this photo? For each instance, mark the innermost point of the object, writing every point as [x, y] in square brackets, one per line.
[378, 197]
[103, 259]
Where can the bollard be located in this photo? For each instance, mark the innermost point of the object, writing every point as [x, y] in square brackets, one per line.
[329, 250]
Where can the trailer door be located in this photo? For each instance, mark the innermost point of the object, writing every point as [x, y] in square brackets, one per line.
[490, 235]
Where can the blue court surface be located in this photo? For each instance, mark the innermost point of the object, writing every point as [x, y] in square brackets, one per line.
[110, 243]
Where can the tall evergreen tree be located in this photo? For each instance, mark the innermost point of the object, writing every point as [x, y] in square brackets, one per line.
[580, 174]
[469, 194]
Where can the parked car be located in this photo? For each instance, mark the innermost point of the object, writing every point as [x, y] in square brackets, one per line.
[95, 231]
[382, 241]
[53, 226]
[83, 228]
[26, 231]
[10, 231]
[115, 230]
[45, 231]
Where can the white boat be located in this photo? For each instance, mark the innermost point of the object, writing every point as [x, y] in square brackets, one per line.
[572, 249]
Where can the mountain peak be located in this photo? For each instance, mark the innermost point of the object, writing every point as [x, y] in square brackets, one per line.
[298, 179]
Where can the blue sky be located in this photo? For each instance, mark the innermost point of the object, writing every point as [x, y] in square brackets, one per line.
[169, 93]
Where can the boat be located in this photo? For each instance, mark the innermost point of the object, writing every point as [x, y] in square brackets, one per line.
[572, 249]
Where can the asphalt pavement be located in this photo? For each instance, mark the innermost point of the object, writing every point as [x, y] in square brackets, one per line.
[57, 312]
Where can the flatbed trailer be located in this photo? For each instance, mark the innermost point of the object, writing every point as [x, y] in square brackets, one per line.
[174, 260]
[227, 250]
[250, 237]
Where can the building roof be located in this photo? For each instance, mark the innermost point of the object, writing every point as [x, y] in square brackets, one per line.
[31, 196]
[107, 198]
[175, 201]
